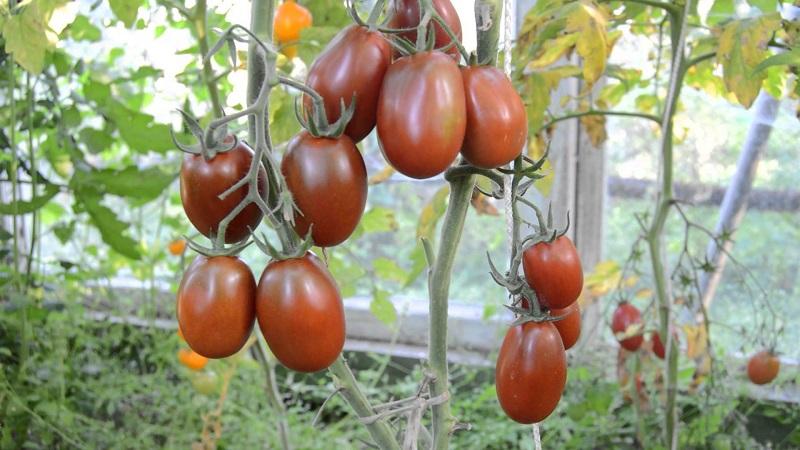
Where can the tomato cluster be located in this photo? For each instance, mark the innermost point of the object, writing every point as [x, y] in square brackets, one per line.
[531, 369]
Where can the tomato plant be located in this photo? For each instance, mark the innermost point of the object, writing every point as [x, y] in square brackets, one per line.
[531, 371]
[406, 14]
[422, 114]
[497, 125]
[351, 67]
[290, 19]
[570, 326]
[763, 367]
[328, 181]
[300, 312]
[216, 305]
[202, 182]
[627, 320]
[553, 270]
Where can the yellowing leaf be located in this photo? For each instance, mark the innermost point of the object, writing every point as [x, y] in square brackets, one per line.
[595, 127]
[696, 340]
[536, 149]
[742, 47]
[382, 176]
[552, 51]
[589, 22]
[644, 293]
[28, 34]
[603, 278]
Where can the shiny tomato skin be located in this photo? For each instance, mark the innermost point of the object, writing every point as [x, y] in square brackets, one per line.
[300, 312]
[553, 270]
[570, 326]
[203, 181]
[422, 114]
[353, 63]
[531, 371]
[497, 124]
[624, 316]
[216, 305]
[763, 367]
[328, 181]
[405, 14]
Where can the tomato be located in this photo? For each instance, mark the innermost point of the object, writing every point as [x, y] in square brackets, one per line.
[353, 63]
[763, 367]
[290, 19]
[497, 124]
[216, 305]
[626, 316]
[553, 270]
[177, 247]
[422, 114]
[570, 326]
[300, 313]
[531, 371]
[405, 14]
[203, 181]
[206, 383]
[658, 346]
[328, 181]
[192, 359]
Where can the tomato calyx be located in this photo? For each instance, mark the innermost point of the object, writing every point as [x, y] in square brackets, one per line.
[317, 122]
[210, 142]
[289, 252]
[216, 249]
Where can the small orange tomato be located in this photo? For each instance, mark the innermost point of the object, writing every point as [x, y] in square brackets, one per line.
[191, 359]
[177, 247]
[290, 19]
[763, 367]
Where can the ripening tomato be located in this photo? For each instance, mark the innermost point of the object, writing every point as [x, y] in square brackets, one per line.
[353, 64]
[290, 19]
[192, 359]
[216, 305]
[328, 181]
[658, 346]
[300, 312]
[422, 114]
[203, 181]
[497, 124]
[177, 247]
[405, 14]
[531, 371]
[570, 326]
[553, 270]
[626, 316]
[763, 367]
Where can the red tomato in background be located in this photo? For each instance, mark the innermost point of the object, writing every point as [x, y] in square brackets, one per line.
[300, 313]
[328, 181]
[203, 181]
[405, 14]
[353, 63]
[570, 326]
[658, 346]
[531, 371]
[625, 316]
[553, 270]
[497, 124]
[422, 114]
[763, 367]
[216, 305]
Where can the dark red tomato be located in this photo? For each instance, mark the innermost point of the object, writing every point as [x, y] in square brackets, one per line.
[763, 367]
[328, 181]
[625, 316]
[405, 14]
[497, 124]
[421, 114]
[554, 272]
[570, 326]
[203, 181]
[300, 312]
[658, 346]
[216, 305]
[531, 371]
[353, 63]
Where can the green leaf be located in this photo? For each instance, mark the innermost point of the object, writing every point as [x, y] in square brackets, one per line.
[131, 182]
[389, 270]
[282, 122]
[646, 103]
[64, 231]
[125, 10]
[382, 308]
[742, 47]
[790, 58]
[418, 264]
[432, 212]
[346, 273]
[313, 40]
[21, 207]
[139, 130]
[96, 141]
[112, 230]
[96, 91]
[27, 37]
[720, 11]
[379, 219]
[83, 30]
[70, 116]
[766, 6]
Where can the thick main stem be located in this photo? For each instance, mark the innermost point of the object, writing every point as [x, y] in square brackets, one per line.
[655, 234]
[200, 22]
[439, 289]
